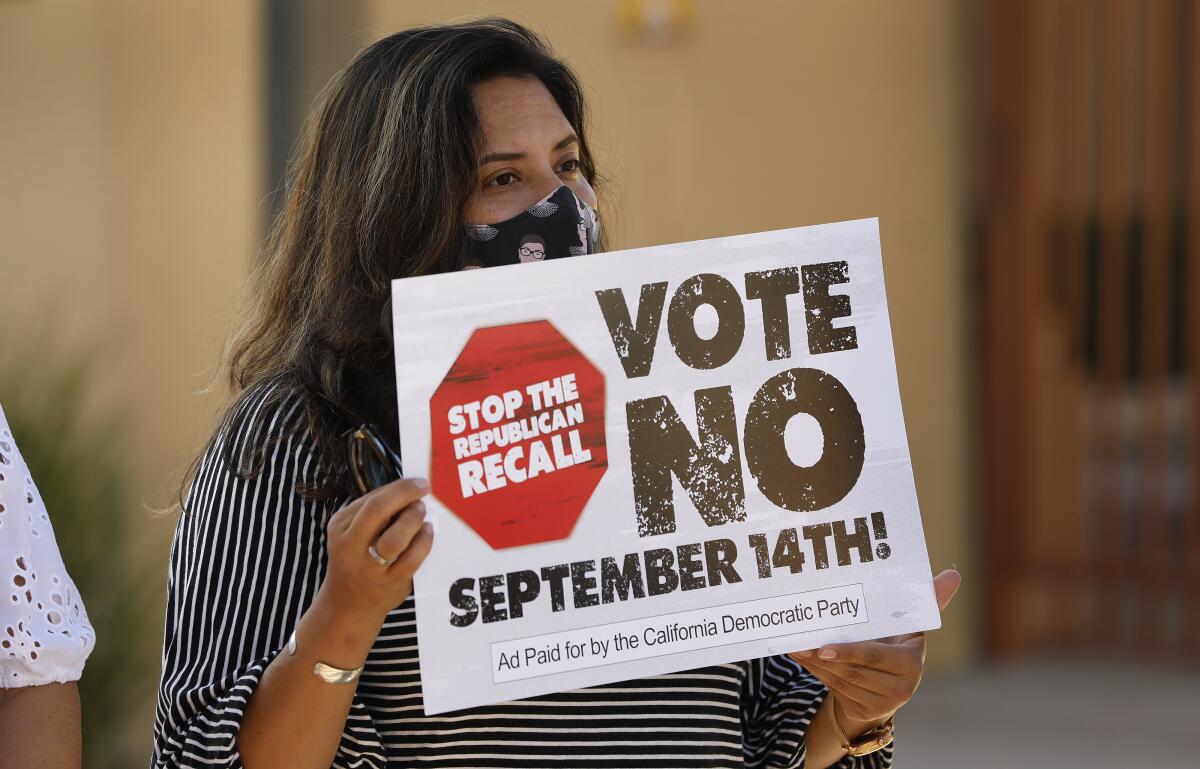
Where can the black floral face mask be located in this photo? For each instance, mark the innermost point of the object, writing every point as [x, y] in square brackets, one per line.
[556, 226]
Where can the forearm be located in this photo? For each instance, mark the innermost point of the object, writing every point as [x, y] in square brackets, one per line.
[294, 718]
[39, 726]
[823, 747]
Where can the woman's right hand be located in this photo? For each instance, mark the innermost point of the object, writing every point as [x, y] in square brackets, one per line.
[339, 628]
[392, 518]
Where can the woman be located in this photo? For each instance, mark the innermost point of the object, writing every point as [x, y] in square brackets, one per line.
[437, 149]
[45, 636]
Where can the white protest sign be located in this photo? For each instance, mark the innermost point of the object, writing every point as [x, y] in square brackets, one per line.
[657, 459]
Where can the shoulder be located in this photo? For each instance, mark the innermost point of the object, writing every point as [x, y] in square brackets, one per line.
[270, 410]
[263, 442]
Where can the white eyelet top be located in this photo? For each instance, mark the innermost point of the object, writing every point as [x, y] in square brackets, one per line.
[45, 636]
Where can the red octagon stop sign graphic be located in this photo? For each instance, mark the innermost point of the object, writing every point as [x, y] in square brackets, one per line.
[517, 429]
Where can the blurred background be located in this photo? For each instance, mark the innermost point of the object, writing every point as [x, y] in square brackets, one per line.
[1035, 168]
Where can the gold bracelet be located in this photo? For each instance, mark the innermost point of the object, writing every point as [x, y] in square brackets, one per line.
[870, 741]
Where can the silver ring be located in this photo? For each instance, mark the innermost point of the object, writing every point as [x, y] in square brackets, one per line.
[379, 559]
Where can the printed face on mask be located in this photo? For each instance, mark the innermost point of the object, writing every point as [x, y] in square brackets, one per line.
[533, 249]
[532, 201]
[555, 227]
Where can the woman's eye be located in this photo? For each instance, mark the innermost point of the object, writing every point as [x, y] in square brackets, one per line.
[503, 180]
[569, 166]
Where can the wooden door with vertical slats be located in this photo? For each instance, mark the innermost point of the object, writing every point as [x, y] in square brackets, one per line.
[1087, 223]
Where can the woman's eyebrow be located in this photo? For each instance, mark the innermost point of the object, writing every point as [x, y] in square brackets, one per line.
[497, 156]
[567, 141]
[493, 157]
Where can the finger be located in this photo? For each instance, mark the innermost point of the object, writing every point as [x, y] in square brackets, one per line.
[897, 659]
[853, 710]
[845, 690]
[871, 678]
[875, 690]
[395, 538]
[906, 638]
[945, 585]
[913, 641]
[857, 699]
[340, 520]
[380, 505]
[414, 555]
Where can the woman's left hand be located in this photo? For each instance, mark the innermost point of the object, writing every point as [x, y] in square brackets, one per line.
[872, 679]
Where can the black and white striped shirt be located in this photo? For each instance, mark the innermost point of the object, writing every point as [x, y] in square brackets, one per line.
[247, 559]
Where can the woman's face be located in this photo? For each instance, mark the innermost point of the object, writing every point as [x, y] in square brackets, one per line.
[529, 150]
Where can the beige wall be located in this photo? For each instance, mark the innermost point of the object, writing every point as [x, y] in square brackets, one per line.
[129, 208]
[780, 114]
[129, 197]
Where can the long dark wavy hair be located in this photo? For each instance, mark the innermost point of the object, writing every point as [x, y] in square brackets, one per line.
[376, 190]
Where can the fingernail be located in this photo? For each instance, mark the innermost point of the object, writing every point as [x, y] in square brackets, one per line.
[427, 527]
[420, 505]
[805, 653]
[420, 483]
[827, 654]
